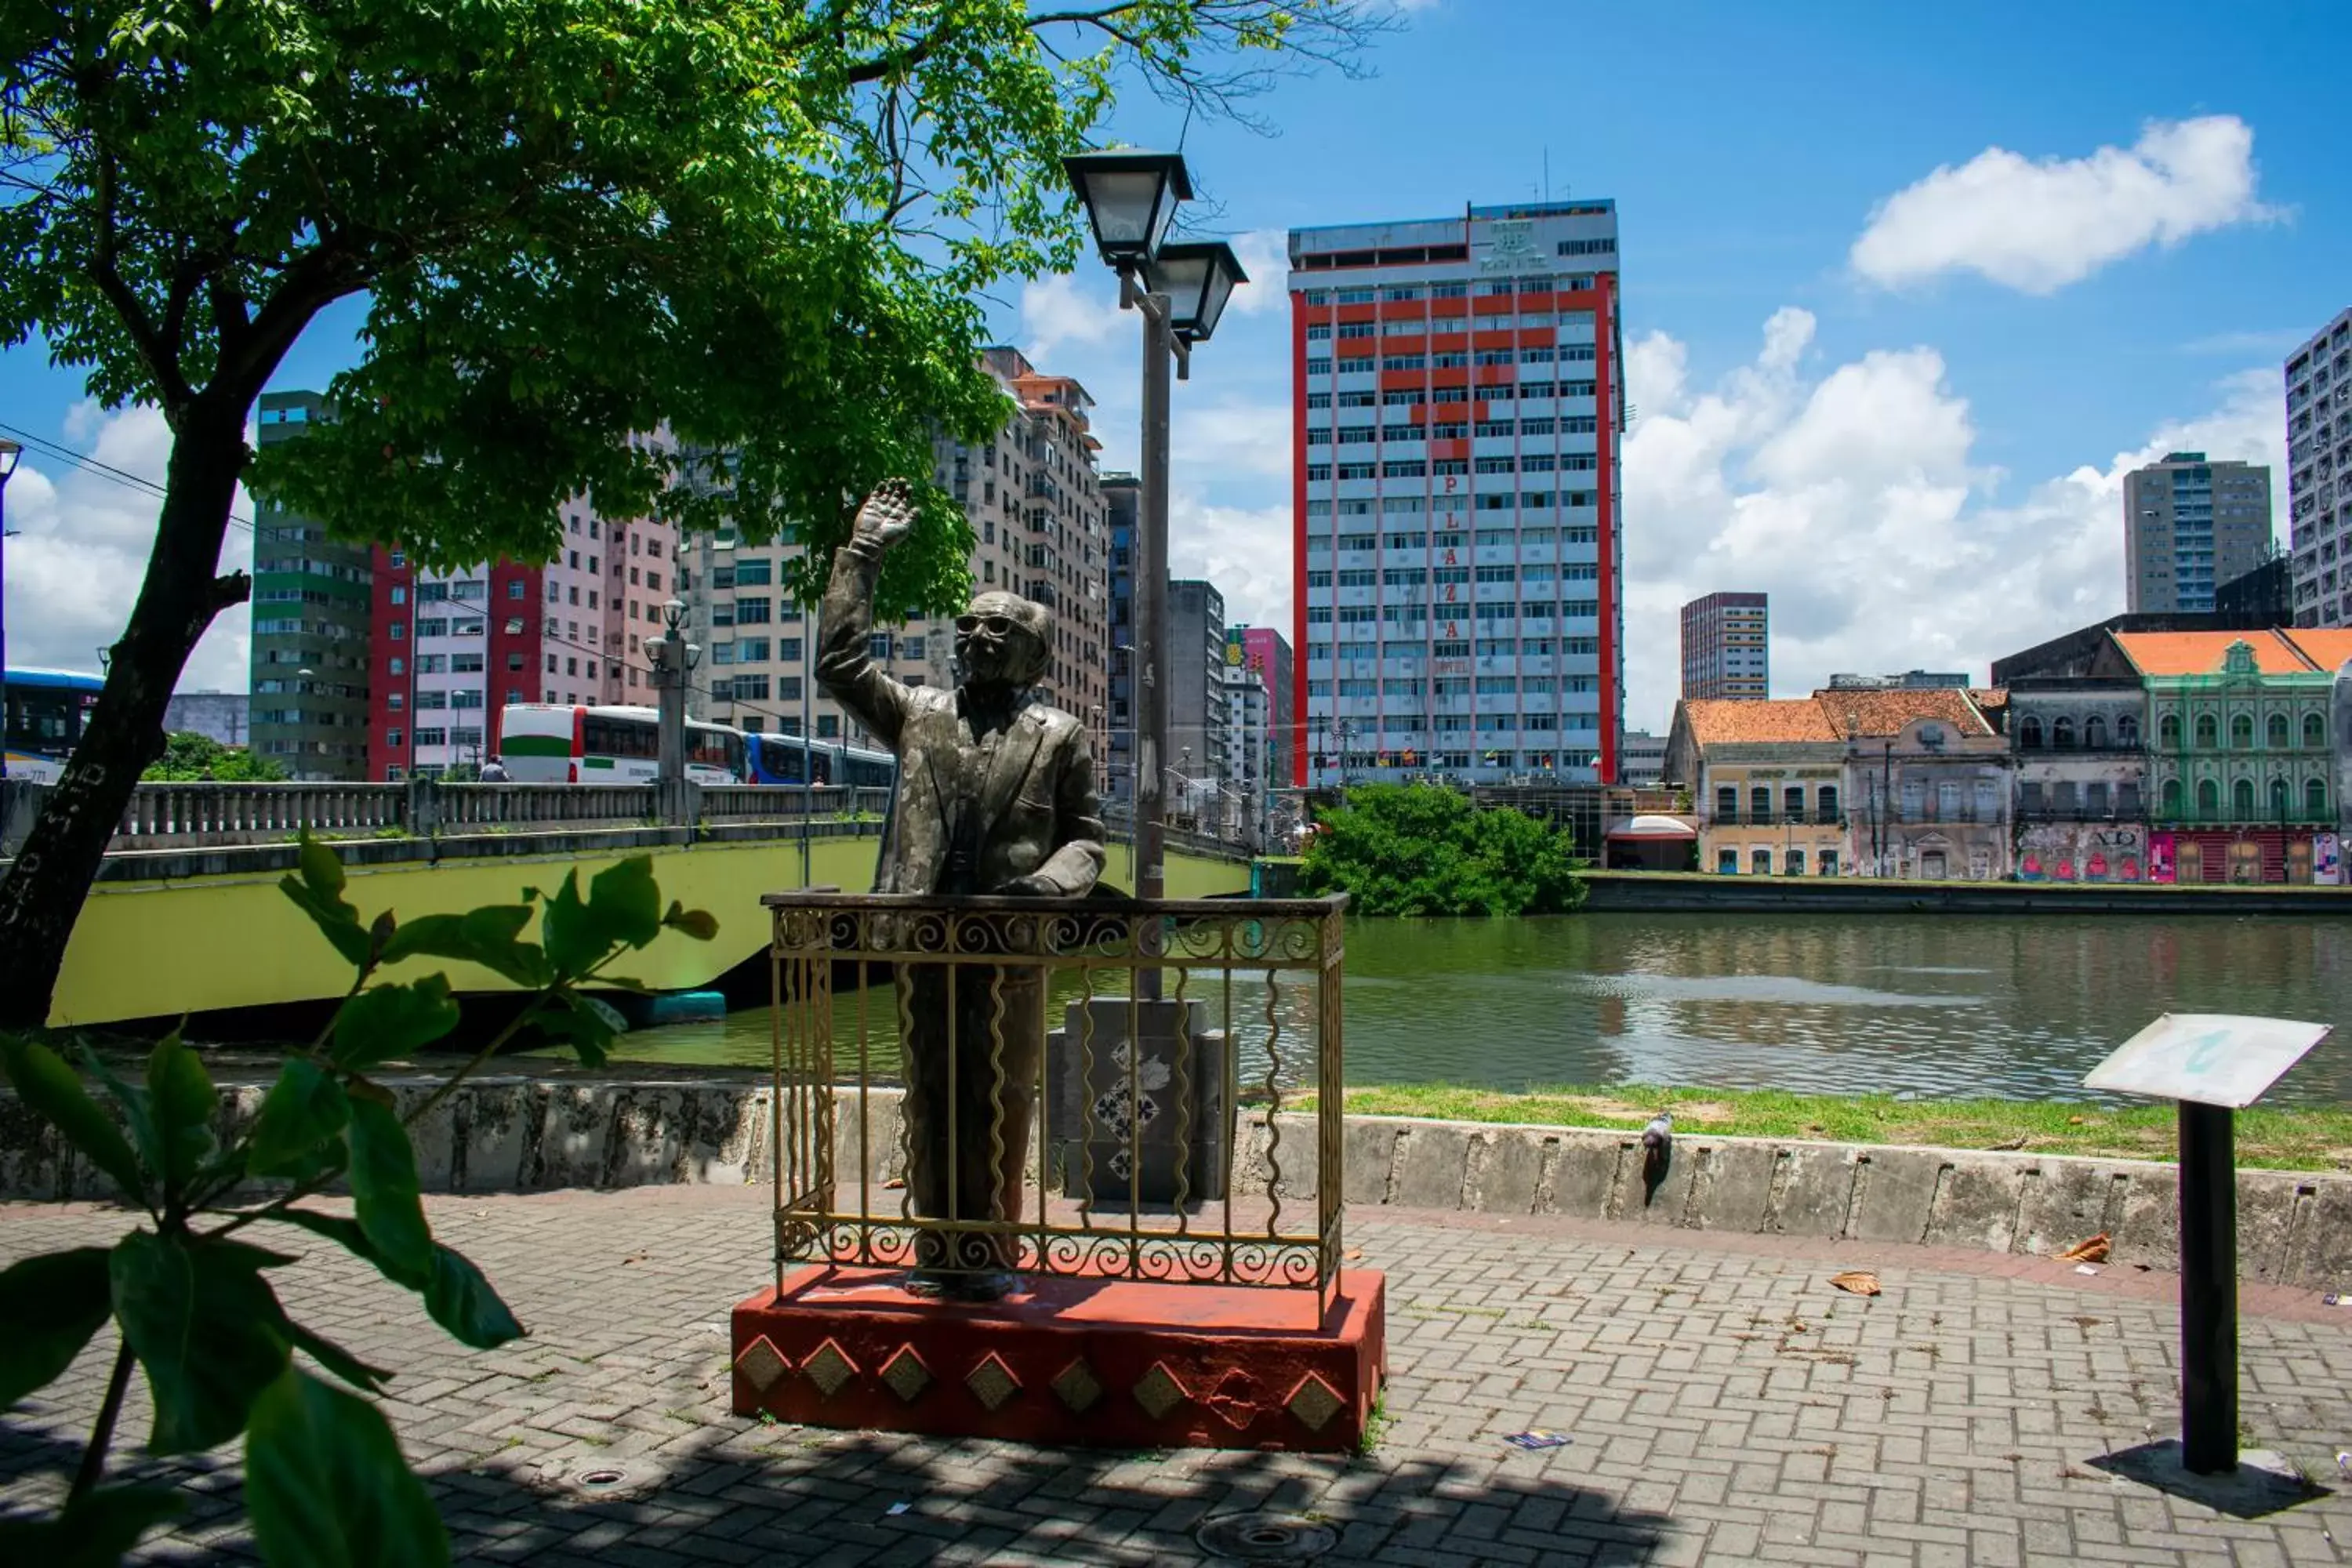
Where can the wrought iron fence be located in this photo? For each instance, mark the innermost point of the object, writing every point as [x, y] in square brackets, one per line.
[1087, 1088]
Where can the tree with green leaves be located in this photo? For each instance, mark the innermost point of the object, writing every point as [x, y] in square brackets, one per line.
[1420, 849]
[755, 230]
[189, 1292]
[189, 757]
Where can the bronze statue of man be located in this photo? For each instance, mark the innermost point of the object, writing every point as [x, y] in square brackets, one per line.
[995, 795]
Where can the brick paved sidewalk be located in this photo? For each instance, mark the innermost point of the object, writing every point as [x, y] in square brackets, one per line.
[1728, 1406]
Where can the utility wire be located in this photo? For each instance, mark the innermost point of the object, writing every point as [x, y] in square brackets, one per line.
[89, 465]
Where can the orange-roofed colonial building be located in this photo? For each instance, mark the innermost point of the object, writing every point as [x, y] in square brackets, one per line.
[2244, 755]
[1880, 782]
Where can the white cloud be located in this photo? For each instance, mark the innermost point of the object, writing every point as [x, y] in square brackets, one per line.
[1244, 551]
[2039, 225]
[1855, 500]
[1264, 255]
[1056, 311]
[81, 551]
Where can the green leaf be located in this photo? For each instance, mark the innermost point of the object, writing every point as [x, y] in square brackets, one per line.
[319, 891]
[136, 1113]
[699, 924]
[184, 1102]
[627, 901]
[94, 1531]
[54, 1092]
[429, 936]
[208, 1328]
[587, 1025]
[50, 1308]
[574, 940]
[338, 1360]
[384, 1194]
[390, 1022]
[487, 936]
[323, 874]
[304, 1109]
[463, 1302]
[457, 1297]
[337, 920]
[326, 1485]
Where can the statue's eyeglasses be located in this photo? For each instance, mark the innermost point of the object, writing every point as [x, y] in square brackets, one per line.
[997, 626]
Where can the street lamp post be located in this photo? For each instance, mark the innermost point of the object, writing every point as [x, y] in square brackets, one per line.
[1180, 289]
[673, 659]
[9, 452]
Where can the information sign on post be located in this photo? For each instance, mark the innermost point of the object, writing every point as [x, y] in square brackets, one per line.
[2213, 1065]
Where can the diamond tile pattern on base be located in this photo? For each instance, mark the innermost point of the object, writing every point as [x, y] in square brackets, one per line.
[1315, 1402]
[992, 1382]
[829, 1368]
[1158, 1392]
[1077, 1386]
[761, 1364]
[906, 1375]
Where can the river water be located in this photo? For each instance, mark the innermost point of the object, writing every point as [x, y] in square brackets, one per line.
[1911, 1005]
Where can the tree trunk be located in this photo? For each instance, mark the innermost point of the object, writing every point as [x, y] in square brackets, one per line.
[43, 894]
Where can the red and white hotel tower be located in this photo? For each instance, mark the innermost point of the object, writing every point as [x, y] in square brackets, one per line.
[1457, 409]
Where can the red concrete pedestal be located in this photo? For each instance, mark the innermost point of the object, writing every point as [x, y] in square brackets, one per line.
[1098, 1361]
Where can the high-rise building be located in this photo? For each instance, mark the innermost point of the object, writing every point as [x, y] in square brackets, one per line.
[1456, 409]
[1727, 647]
[1246, 753]
[1122, 496]
[1198, 713]
[2189, 525]
[1268, 652]
[2319, 474]
[1035, 504]
[1644, 762]
[451, 649]
[310, 612]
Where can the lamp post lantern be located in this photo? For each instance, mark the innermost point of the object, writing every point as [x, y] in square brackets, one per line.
[1180, 288]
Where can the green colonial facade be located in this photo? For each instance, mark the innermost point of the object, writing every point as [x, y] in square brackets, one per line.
[2242, 746]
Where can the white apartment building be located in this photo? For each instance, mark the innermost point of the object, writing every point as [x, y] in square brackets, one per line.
[1457, 407]
[2319, 475]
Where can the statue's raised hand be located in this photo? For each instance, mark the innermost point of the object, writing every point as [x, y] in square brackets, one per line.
[889, 514]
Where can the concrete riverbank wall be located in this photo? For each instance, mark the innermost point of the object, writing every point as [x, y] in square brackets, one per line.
[507, 1134]
[1652, 892]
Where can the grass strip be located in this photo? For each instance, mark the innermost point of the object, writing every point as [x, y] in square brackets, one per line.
[2287, 1140]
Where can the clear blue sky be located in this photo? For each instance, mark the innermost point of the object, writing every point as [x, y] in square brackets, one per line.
[1920, 469]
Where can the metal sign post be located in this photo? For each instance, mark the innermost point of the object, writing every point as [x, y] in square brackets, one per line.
[2213, 1065]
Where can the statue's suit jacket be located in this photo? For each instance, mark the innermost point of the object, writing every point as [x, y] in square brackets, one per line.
[1038, 814]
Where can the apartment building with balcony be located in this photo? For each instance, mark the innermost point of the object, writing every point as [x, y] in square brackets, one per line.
[2319, 475]
[1034, 502]
[449, 650]
[309, 657]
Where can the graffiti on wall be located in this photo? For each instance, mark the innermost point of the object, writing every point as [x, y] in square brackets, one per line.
[2082, 852]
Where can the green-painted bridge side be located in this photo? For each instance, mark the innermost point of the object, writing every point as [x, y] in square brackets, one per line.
[193, 944]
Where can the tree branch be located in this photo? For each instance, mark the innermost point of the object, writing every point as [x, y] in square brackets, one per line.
[163, 357]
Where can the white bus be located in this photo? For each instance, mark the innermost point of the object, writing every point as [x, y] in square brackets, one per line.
[545, 743]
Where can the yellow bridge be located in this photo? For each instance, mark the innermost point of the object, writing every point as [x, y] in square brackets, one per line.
[187, 916]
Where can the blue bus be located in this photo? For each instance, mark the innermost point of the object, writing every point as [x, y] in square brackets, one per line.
[42, 715]
[792, 760]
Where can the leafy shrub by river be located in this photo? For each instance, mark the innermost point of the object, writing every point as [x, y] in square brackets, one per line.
[1419, 849]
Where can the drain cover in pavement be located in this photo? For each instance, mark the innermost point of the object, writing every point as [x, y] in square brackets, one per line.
[1266, 1538]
